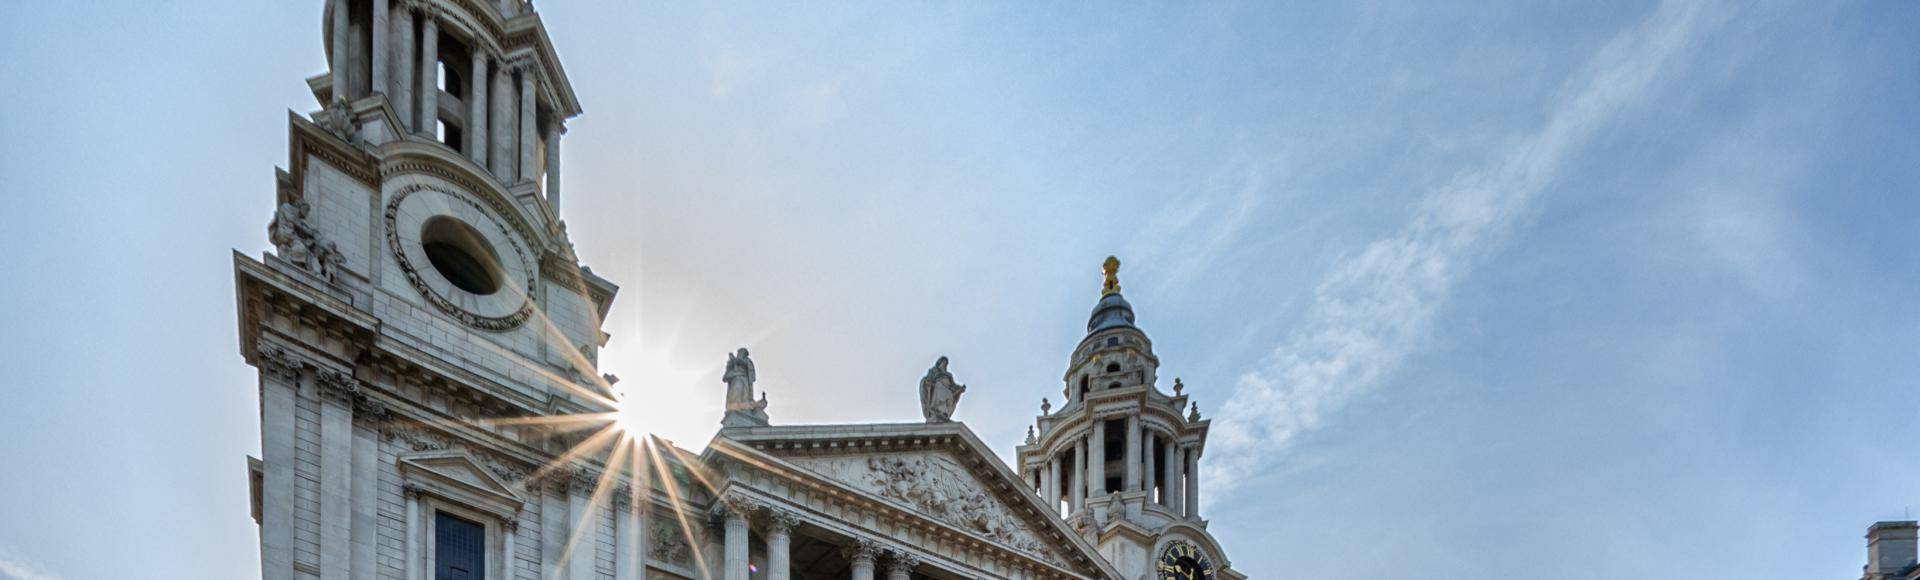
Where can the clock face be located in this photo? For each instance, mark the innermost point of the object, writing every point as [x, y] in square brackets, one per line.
[1184, 561]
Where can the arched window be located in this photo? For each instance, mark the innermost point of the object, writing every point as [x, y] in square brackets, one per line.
[1113, 367]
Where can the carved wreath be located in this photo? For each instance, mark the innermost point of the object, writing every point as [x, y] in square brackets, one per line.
[493, 323]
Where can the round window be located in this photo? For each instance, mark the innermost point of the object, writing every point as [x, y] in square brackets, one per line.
[461, 255]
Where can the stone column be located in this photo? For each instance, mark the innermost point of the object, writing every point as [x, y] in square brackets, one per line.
[1175, 498]
[735, 560]
[1193, 482]
[900, 564]
[581, 529]
[1131, 481]
[554, 130]
[336, 391]
[860, 557]
[366, 492]
[553, 525]
[1150, 444]
[529, 125]
[477, 88]
[505, 124]
[381, 50]
[429, 89]
[1078, 488]
[1053, 484]
[404, 61]
[1097, 460]
[342, 50]
[279, 380]
[779, 536]
[509, 527]
[630, 537]
[413, 523]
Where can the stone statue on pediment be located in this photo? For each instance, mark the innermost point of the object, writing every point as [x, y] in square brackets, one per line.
[939, 394]
[739, 379]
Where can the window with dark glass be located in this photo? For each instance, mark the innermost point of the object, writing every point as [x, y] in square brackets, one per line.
[459, 549]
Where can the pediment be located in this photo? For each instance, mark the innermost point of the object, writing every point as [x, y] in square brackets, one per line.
[940, 471]
[454, 475]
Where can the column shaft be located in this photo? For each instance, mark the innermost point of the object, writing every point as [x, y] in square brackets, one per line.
[508, 529]
[382, 50]
[736, 546]
[1170, 488]
[414, 523]
[276, 478]
[580, 537]
[1053, 484]
[553, 165]
[477, 87]
[1150, 443]
[1097, 460]
[403, 59]
[506, 122]
[862, 567]
[366, 499]
[336, 488]
[342, 52]
[1079, 486]
[529, 126]
[1132, 477]
[429, 89]
[778, 538]
[1193, 483]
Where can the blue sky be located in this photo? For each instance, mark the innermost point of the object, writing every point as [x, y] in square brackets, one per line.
[1595, 290]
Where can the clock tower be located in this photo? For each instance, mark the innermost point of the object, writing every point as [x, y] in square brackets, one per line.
[1119, 458]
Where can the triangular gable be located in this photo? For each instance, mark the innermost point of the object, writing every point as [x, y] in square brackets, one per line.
[456, 476]
[940, 470]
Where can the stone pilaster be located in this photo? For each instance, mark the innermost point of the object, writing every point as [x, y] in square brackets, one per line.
[336, 390]
[279, 382]
[553, 527]
[580, 528]
[366, 477]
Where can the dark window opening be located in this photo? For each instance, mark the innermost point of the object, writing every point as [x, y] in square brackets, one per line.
[1084, 387]
[1113, 367]
[459, 549]
[461, 255]
[1113, 341]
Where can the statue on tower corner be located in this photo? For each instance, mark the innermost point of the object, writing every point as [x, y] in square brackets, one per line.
[939, 394]
[293, 238]
[742, 410]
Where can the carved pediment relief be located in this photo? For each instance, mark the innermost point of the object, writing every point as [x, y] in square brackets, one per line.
[937, 485]
[454, 475]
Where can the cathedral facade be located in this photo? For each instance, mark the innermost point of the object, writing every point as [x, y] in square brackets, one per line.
[432, 407]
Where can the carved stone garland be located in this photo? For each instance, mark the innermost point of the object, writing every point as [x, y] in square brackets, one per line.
[493, 323]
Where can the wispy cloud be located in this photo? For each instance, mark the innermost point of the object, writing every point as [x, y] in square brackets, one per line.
[1377, 307]
[16, 567]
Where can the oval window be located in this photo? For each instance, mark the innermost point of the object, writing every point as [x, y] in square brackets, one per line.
[461, 255]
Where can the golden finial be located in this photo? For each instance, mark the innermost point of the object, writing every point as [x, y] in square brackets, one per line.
[1112, 268]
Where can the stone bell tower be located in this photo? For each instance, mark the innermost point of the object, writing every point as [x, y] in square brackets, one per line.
[1119, 459]
[426, 338]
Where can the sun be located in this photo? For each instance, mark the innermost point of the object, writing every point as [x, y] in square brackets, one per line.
[653, 378]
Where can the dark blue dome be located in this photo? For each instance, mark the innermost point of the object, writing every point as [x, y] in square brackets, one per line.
[1113, 311]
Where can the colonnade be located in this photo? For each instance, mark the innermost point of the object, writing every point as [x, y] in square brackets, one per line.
[864, 557]
[501, 127]
[1151, 459]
